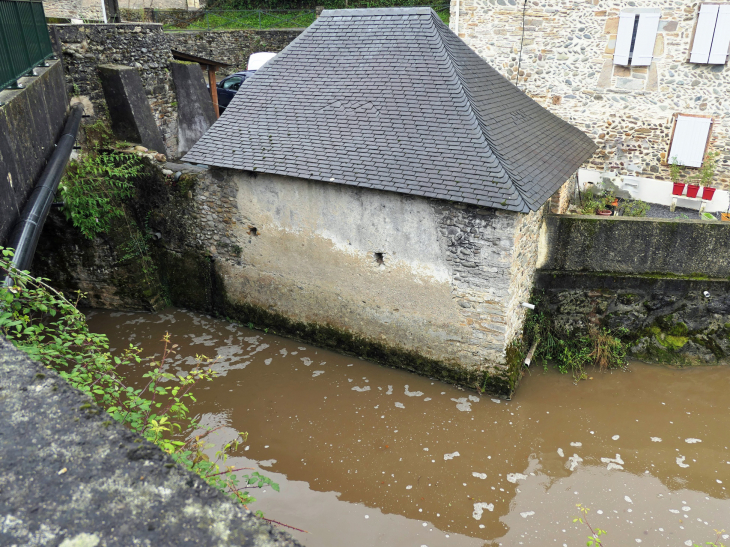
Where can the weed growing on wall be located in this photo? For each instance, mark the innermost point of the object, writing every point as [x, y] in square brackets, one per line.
[40, 321]
[572, 352]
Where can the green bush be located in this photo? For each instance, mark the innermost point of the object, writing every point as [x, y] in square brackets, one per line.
[635, 208]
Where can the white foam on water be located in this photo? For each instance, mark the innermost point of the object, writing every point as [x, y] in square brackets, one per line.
[628, 499]
[409, 487]
[317, 373]
[413, 393]
[686, 508]
[356, 388]
[612, 465]
[561, 453]
[268, 361]
[400, 405]
[473, 398]
[656, 439]
[301, 349]
[479, 475]
[680, 462]
[496, 401]
[307, 361]
[573, 462]
[514, 477]
[576, 444]
[390, 390]
[675, 511]
[267, 463]
[451, 457]
[689, 542]
[479, 509]
[615, 437]
[692, 441]
[463, 404]
[427, 399]
[527, 514]
[283, 352]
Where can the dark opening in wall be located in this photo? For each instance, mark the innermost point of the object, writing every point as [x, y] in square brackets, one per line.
[253, 231]
[379, 258]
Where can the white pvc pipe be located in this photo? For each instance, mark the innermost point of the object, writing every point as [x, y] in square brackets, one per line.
[103, 11]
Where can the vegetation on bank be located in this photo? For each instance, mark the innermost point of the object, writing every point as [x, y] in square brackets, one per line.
[571, 352]
[43, 323]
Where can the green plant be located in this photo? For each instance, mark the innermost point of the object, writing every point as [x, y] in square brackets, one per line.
[572, 352]
[94, 188]
[592, 203]
[40, 321]
[594, 540]
[706, 173]
[675, 170]
[634, 208]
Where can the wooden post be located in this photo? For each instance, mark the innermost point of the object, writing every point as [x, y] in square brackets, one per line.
[213, 90]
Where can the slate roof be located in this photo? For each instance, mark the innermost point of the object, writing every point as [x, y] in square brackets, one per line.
[392, 99]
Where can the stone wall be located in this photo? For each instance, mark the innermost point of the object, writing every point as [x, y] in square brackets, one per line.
[31, 121]
[231, 46]
[143, 46]
[567, 66]
[575, 243]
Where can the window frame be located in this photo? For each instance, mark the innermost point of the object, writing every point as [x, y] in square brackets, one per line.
[694, 33]
[675, 118]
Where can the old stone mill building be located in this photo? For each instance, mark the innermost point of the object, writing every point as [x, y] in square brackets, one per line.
[390, 185]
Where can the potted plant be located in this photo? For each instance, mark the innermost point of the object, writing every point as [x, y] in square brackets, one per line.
[692, 190]
[675, 173]
[704, 177]
[708, 193]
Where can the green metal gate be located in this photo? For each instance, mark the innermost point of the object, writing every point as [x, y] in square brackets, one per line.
[24, 40]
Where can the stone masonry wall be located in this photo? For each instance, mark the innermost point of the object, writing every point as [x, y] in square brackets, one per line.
[62, 9]
[143, 46]
[567, 66]
[231, 46]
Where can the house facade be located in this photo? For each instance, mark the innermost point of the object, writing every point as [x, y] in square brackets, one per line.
[389, 188]
[648, 81]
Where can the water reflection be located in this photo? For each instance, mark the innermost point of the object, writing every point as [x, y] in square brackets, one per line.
[384, 457]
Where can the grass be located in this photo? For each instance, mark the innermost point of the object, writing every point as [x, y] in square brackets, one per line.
[258, 19]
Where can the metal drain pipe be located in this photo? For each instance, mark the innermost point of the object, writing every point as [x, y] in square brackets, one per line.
[27, 231]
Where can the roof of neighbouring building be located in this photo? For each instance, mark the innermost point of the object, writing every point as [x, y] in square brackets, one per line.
[391, 99]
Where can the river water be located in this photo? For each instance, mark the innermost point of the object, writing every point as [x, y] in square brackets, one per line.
[367, 455]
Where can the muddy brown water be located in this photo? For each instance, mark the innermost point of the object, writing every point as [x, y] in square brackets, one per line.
[367, 455]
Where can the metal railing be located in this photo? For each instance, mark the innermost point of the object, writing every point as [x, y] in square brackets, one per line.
[24, 40]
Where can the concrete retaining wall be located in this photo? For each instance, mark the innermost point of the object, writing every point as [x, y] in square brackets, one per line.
[30, 124]
[635, 246]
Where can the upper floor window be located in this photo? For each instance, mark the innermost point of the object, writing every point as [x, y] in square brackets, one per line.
[712, 35]
[637, 29]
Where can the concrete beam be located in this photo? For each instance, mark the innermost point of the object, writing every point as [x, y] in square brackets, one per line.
[195, 112]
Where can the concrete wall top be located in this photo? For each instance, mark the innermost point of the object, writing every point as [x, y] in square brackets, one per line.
[635, 246]
[118, 489]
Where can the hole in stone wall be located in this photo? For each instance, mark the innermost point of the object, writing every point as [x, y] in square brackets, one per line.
[253, 231]
[379, 258]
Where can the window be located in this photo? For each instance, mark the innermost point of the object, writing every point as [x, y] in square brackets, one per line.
[689, 141]
[232, 83]
[636, 35]
[712, 35]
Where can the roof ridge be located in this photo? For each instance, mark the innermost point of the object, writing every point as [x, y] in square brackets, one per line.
[443, 32]
[364, 12]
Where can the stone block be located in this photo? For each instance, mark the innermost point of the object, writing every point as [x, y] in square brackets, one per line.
[604, 79]
[611, 26]
[611, 45]
[652, 81]
[129, 110]
[630, 83]
[667, 26]
[659, 46]
[195, 112]
[622, 71]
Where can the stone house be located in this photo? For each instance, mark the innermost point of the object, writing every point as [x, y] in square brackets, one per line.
[647, 80]
[390, 187]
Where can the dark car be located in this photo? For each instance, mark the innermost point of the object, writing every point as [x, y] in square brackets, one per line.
[228, 86]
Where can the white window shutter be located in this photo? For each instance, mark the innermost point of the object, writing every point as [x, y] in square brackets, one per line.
[689, 141]
[721, 41]
[623, 38]
[645, 39]
[703, 33]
